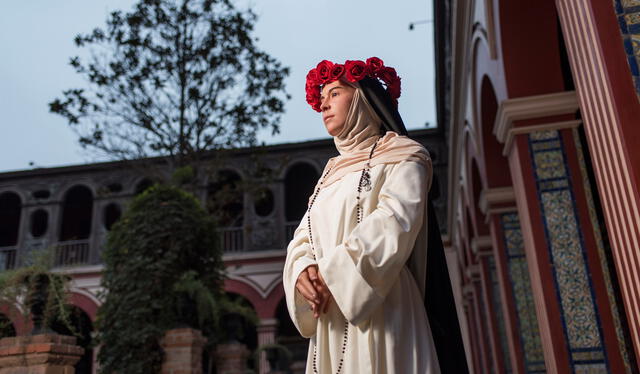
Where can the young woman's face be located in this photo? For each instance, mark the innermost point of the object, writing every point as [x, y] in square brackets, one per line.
[335, 102]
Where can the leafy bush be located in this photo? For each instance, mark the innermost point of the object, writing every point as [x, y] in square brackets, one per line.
[163, 269]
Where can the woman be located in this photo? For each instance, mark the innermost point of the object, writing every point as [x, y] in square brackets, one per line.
[355, 271]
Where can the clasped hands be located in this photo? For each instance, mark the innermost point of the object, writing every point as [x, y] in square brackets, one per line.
[312, 287]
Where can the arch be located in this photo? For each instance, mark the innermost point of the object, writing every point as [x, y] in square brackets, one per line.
[7, 329]
[496, 166]
[531, 67]
[142, 184]
[265, 307]
[299, 182]
[225, 197]
[111, 215]
[10, 212]
[245, 290]
[249, 333]
[476, 187]
[21, 323]
[85, 301]
[82, 328]
[77, 214]
[38, 222]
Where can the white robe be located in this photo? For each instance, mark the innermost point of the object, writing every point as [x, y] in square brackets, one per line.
[366, 269]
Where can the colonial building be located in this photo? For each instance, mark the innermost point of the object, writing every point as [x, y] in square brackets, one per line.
[540, 101]
[71, 209]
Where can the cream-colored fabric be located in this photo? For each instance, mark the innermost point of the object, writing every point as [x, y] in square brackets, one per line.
[365, 267]
[360, 131]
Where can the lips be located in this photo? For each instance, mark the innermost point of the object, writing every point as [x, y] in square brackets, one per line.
[327, 117]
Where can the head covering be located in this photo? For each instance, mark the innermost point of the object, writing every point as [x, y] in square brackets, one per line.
[362, 128]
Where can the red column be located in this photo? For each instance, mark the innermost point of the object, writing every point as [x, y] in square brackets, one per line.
[573, 308]
[610, 106]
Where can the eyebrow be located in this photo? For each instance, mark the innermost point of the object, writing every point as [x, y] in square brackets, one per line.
[331, 89]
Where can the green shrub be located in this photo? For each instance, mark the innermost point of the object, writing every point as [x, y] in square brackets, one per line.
[163, 269]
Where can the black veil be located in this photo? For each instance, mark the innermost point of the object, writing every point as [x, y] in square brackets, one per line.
[439, 301]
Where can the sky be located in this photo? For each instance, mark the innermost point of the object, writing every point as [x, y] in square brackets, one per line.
[36, 42]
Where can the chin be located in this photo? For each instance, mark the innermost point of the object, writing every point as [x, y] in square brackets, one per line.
[333, 131]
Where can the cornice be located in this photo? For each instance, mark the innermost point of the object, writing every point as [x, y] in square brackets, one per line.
[520, 108]
[490, 197]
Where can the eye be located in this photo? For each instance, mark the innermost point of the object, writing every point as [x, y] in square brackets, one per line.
[334, 94]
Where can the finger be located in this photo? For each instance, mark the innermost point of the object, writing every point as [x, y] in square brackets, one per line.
[306, 288]
[313, 273]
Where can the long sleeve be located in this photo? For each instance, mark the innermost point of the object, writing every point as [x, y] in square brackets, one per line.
[299, 257]
[361, 271]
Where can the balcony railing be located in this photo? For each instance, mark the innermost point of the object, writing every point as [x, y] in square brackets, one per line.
[231, 239]
[72, 252]
[7, 258]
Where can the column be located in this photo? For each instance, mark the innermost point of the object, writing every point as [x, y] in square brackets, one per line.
[182, 351]
[513, 291]
[267, 329]
[39, 354]
[572, 307]
[604, 61]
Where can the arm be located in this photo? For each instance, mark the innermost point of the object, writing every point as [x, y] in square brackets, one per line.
[361, 271]
[299, 257]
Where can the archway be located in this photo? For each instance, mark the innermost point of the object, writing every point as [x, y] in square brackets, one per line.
[10, 209]
[81, 328]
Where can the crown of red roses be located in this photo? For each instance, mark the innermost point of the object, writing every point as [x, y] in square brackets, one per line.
[353, 71]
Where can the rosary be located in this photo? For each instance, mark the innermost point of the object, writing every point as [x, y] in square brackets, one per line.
[365, 182]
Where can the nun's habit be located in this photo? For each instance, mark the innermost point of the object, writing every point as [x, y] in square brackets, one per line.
[388, 273]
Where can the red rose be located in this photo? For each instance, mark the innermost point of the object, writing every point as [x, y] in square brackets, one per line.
[374, 64]
[324, 71]
[394, 89]
[312, 77]
[336, 72]
[355, 70]
[388, 75]
[313, 99]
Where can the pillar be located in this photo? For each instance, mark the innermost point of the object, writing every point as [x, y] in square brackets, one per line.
[39, 354]
[231, 358]
[513, 292]
[573, 309]
[266, 329]
[604, 60]
[182, 351]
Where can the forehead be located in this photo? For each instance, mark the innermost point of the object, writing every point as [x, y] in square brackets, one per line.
[331, 85]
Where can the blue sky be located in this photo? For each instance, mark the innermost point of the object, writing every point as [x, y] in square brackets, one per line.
[36, 41]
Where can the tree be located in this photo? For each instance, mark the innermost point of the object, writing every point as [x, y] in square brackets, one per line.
[174, 78]
[163, 269]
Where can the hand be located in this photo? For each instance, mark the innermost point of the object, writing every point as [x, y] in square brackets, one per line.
[312, 287]
[321, 287]
[307, 289]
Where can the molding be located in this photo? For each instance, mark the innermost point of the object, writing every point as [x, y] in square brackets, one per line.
[253, 255]
[480, 243]
[473, 271]
[489, 197]
[538, 106]
[262, 277]
[506, 209]
[542, 127]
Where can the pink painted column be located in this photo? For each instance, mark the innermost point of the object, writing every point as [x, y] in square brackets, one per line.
[267, 329]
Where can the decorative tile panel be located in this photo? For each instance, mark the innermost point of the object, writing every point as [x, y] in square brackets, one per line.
[572, 281]
[623, 343]
[628, 13]
[527, 323]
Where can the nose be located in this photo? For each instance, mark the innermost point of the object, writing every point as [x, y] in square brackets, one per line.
[324, 104]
